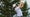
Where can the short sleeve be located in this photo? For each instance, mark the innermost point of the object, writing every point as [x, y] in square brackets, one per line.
[23, 1]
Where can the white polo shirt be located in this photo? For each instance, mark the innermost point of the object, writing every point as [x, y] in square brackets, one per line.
[18, 11]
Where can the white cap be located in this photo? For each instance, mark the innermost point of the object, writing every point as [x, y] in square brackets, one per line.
[23, 1]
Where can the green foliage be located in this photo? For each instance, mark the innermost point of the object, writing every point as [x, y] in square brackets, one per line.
[6, 9]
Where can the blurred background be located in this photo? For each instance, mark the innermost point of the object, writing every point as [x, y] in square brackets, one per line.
[6, 8]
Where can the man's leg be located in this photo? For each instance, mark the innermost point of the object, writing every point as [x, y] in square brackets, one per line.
[19, 12]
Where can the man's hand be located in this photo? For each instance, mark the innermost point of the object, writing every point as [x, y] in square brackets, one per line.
[21, 5]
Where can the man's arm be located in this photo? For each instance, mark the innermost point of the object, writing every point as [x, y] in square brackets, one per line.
[21, 3]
